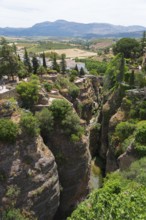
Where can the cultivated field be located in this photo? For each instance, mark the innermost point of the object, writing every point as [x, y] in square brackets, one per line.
[73, 53]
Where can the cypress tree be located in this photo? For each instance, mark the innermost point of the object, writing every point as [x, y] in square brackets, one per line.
[55, 65]
[82, 72]
[132, 79]
[27, 62]
[143, 41]
[120, 76]
[44, 60]
[63, 64]
[76, 68]
[35, 64]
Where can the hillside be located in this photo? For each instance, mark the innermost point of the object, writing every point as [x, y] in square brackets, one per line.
[62, 28]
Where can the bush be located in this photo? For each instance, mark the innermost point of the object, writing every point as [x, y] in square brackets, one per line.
[28, 92]
[71, 125]
[60, 108]
[136, 171]
[46, 121]
[124, 130]
[118, 199]
[140, 135]
[29, 125]
[65, 118]
[74, 138]
[47, 86]
[13, 214]
[8, 130]
[74, 91]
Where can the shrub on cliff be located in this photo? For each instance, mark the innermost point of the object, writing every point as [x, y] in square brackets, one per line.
[140, 139]
[47, 86]
[46, 121]
[13, 214]
[66, 118]
[29, 125]
[8, 130]
[28, 92]
[60, 108]
[117, 199]
[71, 125]
[74, 91]
[140, 136]
[124, 130]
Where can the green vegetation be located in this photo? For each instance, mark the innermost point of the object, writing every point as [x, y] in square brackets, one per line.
[48, 87]
[60, 108]
[129, 47]
[12, 213]
[48, 45]
[8, 130]
[93, 66]
[65, 83]
[74, 91]
[10, 65]
[65, 118]
[63, 64]
[46, 121]
[28, 92]
[29, 125]
[27, 62]
[123, 196]
[124, 130]
[115, 72]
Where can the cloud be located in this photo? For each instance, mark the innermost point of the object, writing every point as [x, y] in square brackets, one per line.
[28, 12]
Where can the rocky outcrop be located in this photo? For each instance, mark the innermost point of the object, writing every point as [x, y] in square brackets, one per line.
[29, 178]
[132, 98]
[125, 159]
[73, 160]
[109, 109]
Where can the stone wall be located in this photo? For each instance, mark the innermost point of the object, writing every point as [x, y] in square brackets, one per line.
[9, 94]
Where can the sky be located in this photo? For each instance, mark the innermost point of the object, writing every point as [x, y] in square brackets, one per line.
[25, 13]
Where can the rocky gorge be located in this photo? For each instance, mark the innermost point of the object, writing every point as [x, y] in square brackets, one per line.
[47, 176]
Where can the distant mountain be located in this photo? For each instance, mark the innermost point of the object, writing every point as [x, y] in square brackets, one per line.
[62, 28]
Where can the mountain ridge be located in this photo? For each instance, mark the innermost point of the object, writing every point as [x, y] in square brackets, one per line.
[63, 28]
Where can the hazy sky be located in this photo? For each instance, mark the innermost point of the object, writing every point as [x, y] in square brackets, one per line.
[25, 13]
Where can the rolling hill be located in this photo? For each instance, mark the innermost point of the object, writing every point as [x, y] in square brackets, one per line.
[62, 28]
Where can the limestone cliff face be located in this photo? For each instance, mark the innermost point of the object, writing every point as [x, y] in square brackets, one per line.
[135, 96]
[29, 178]
[109, 108]
[88, 98]
[73, 161]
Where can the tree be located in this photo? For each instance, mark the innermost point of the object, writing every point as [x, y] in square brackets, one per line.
[44, 60]
[9, 63]
[128, 47]
[41, 70]
[111, 201]
[132, 79]
[143, 41]
[27, 62]
[29, 125]
[120, 76]
[63, 64]
[46, 121]
[35, 64]
[29, 93]
[55, 65]
[60, 108]
[82, 72]
[115, 72]
[14, 48]
[8, 130]
[76, 68]
[22, 72]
